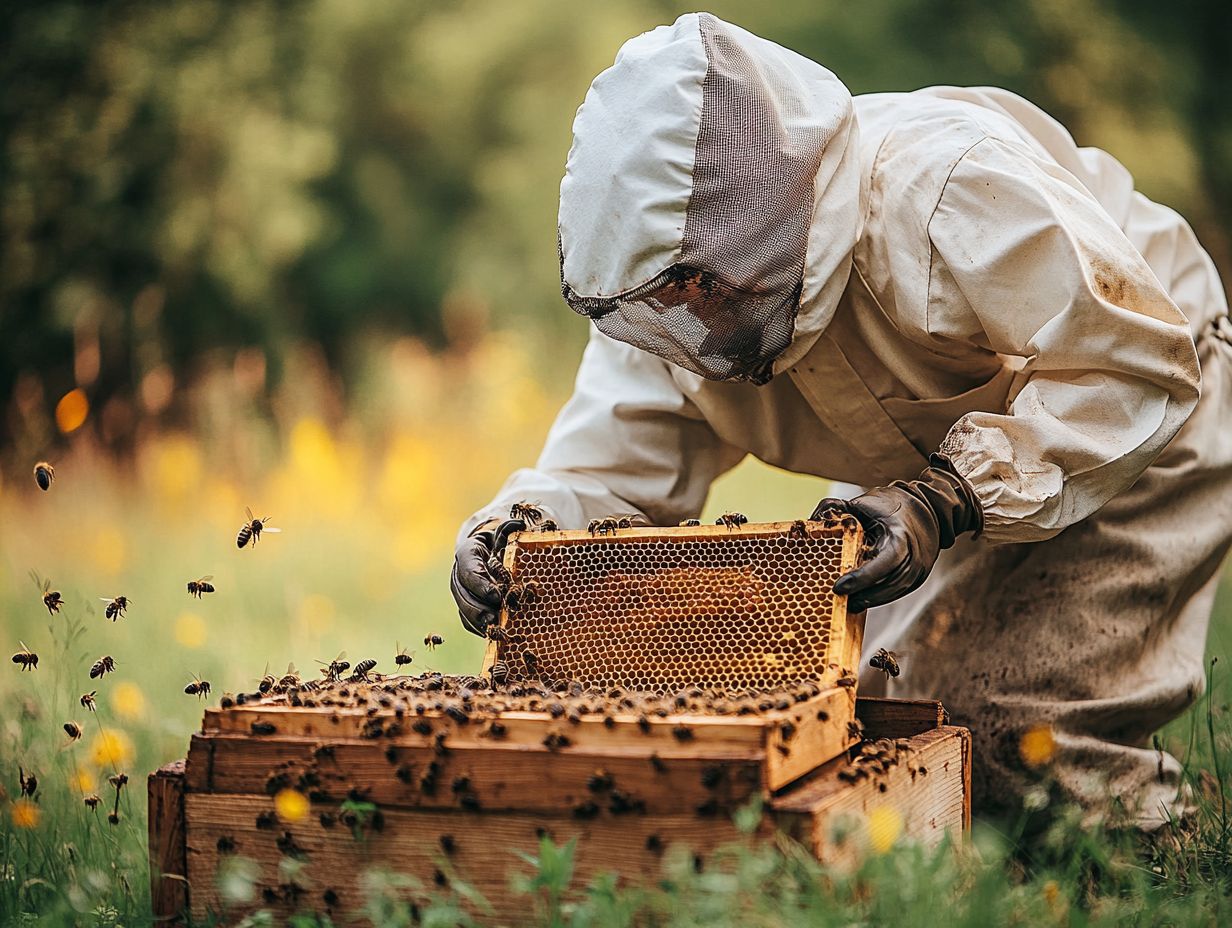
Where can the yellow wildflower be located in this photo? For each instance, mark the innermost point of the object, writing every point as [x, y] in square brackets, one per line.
[190, 630]
[25, 814]
[112, 748]
[885, 824]
[291, 805]
[128, 701]
[85, 781]
[1037, 746]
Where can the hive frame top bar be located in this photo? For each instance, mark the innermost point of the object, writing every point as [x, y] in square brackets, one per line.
[830, 527]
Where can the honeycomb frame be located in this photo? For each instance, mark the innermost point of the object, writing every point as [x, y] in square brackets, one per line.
[662, 609]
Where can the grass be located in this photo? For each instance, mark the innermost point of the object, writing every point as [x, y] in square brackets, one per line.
[369, 506]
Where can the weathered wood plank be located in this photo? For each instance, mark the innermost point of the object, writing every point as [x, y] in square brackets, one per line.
[898, 718]
[168, 862]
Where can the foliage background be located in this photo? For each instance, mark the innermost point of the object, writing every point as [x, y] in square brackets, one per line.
[301, 256]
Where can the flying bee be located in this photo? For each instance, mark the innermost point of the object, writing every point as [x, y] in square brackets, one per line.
[105, 664]
[403, 657]
[27, 658]
[115, 606]
[92, 802]
[198, 687]
[691, 523]
[886, 662]
[528, 512]
[44, 475]
[335, 668]
[87, 700]
[73, 730]
[51, 598]
[362, 669]
[732, 519]
[29, 784]
[118, 780]
[499, 671]
[252, 529]
[198, 587]
[432, 642]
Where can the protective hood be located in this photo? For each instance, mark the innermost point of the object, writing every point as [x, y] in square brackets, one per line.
[711, 200]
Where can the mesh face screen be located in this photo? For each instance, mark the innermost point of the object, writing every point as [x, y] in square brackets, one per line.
[750, 610]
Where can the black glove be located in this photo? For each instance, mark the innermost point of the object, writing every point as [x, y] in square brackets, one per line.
[906, 526]
[475, 585]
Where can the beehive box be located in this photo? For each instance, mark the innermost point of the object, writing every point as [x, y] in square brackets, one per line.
[625, 809]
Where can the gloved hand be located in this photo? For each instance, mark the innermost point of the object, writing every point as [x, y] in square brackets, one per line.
[906, 525]
[475, 586]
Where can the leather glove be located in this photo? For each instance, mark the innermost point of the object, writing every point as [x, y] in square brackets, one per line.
[475, 586]
[906, 526]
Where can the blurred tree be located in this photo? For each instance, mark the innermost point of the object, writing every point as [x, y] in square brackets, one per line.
[181, 178]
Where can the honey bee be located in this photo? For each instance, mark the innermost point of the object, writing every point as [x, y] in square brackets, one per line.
[549, 525]
[29, 784]
[528, 512]
[798, 529]
[87, 700]
[73, 730]
[495, 632]
[252, 529]
[530, 660]
[92, 802]
[290, 678]
[608, 525]
[198, 687]
[732, 519]
[362, 669]
[335, 668]
[44, 475]
[267, 682]
[51, 598]
[432, 642]
[691, 523]
[886, 662]
[105, 664]
[27, 658]
[521, 594]
[115, 606]
[402, 658]
[198, 587]
[499, 671]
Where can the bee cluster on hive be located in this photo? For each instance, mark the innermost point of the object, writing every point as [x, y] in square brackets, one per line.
[737, 607]
[465, 698]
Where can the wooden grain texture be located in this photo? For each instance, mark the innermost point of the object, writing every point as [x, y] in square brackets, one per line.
[483, 854]
[168, 863]
[531, 779]
[898, 718]
[926, 793]
[786, 743]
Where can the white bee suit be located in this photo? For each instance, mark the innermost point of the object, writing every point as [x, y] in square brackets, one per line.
[953, 274]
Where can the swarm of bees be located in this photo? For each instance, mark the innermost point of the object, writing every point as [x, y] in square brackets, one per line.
[252, 529]
[115, 606]
[886, 662]
[44, 475]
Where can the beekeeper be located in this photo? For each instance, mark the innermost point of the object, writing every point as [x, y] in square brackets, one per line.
[937, 294]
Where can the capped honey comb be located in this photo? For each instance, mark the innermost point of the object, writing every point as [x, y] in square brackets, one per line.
[740, 608]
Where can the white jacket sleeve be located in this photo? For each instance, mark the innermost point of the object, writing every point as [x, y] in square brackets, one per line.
[627, 442]
[1026, 263]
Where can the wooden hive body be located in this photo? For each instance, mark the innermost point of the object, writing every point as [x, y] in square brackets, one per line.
[625, 803]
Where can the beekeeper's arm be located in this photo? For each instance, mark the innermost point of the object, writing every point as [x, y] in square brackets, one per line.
[1109, 369]
[627, 442]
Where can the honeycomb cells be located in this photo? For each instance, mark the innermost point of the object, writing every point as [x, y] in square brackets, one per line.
[743, 611]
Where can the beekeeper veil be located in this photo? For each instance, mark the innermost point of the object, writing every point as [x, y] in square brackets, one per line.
[711, 200]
